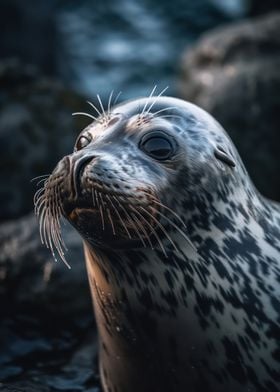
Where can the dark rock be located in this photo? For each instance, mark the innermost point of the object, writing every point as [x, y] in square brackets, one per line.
[30, 276]
[47, 330]
[258, 7]
[36, 129]
[233, 73]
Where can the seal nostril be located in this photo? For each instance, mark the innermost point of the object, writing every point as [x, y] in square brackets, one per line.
[76, 174]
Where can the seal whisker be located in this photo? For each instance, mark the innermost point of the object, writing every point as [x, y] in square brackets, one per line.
[42, 180]
[156, 201]
[178, 228]
[55, 230]
[58, 214]
[146, 104]
[39, 195]
[154, 232]
[109, 102]
[131, 221]
[137, 231]
[96, 198]
[161, 227]
[101, 210]
[53, 237]
[119, 216]
[141, 227]
[40, 205]
[164, 110]
[41, 223]
[102, 108]
[148, 224]
[93, 197]
[85, 114]
[95, 108]
[156, 98]
[36, 178]
[116, 99]
[48, 209]
[111, 220]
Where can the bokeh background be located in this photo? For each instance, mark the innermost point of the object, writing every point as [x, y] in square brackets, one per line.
[223, 55]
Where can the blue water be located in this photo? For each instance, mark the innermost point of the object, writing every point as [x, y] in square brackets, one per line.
[132, 45]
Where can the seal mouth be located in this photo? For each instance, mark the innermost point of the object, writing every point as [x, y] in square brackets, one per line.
[113, 217]
[105, 219]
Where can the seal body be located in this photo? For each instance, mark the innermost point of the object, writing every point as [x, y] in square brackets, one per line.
[182, 252]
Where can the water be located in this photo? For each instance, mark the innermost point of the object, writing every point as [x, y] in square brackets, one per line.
[130, 46]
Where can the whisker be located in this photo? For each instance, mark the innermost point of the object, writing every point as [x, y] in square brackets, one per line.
[101, 211]
[143, 228]
[109, 101]
[119, 216]
[102, 108]
[116, 99]
[177, 228]
[41, 224]
[39, 204]
[159, 95]
[84, 114]
[111, 220]
[146, 104]
[138, 232]
[131, 221]
[164, 110]
[162, 228]
[93, 198]
[154, 233]
[38, 195]
[42, 180]
[36, 178]
[48, 210]
[156, 201]
[95, 108]
[96, 198]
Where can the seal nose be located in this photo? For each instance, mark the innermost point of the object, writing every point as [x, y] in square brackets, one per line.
[76, 173]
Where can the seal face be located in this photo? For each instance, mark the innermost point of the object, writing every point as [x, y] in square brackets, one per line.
[182, 252]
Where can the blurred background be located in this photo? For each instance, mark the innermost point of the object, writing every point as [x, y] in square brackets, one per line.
[223, 55]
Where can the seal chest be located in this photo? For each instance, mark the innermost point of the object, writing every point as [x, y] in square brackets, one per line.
[182, 252]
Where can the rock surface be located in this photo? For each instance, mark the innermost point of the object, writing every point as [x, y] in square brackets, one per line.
[36, 129]
[47, 330]
[233, 73]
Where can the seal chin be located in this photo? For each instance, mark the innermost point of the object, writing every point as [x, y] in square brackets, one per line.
[102, 229]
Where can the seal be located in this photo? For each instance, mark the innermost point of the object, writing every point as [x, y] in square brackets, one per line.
[182, 252]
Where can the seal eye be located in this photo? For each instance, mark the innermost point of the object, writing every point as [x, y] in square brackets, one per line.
[157, 146]
[82, 142]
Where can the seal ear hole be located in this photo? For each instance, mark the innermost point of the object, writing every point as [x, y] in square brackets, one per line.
[223, 156]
